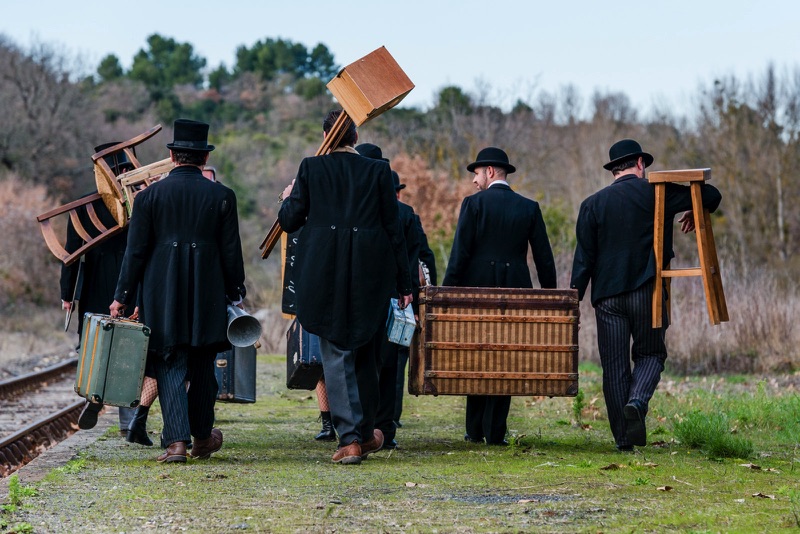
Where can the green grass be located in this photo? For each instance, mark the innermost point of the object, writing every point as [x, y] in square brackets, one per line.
[271, 476]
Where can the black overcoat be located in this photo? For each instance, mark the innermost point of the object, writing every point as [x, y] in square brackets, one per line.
[615, 234]
[490, 248]
[184, 245]
[351, 253]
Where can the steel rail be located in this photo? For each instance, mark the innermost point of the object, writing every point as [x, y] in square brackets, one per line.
[12, 387]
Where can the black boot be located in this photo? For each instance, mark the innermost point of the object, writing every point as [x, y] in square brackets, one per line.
[137, 430]
[327, 433]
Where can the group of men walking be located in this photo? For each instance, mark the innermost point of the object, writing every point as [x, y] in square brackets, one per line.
[359, 246]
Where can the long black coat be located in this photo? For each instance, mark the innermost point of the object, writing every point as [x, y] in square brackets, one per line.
[101, 265]
[184, 245]
[352, 253]
[615, 234]
[490, 248]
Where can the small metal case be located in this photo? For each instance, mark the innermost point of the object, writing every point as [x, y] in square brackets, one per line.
[400, 325]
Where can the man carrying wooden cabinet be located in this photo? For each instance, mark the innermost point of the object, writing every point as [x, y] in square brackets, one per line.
[615, 252]
[490, 249]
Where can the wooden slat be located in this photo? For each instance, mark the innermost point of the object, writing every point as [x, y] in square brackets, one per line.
[675, 273]
[678, 176]
[500, 375]
[523, 347]
[566, 319]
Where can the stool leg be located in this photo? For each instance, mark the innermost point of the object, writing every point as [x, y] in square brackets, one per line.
[701, 233]
[658, 250]
[716, 274]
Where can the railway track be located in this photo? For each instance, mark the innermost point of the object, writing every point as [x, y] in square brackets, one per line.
[40, 409]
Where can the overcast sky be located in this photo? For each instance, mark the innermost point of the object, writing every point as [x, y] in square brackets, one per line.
[657, 52]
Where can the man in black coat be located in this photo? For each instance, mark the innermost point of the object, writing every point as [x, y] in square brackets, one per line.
[615, 252]
[184, 247]
[390, 352]
[90, 282]
[490, 249]
[351, 260]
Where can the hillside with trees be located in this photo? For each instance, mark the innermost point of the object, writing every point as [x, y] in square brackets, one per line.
[266, 111]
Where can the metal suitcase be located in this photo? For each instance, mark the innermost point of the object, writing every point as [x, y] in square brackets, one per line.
[495, 341]
[400, 325]
[112, 360]
[303, 358]
[235, 370]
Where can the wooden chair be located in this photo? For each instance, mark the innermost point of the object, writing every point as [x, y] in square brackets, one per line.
[706, 248]
[112, 191]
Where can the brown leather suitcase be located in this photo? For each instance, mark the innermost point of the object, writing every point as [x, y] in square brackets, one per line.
[496, 341]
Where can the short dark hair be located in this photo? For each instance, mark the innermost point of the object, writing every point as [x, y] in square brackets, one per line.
[189, 157]
[349, 137]
[627, 164]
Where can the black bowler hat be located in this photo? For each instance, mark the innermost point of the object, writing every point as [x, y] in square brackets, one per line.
[397, 185]
[626, 149]
[118, 161]
[190, 135]
[368, 150]
[491, 157]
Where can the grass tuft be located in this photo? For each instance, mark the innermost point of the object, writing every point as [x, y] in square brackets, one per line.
[711, 433]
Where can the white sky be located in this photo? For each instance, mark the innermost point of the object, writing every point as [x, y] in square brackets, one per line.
[657, 52]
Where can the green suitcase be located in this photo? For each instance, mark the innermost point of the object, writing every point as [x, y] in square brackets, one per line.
[112, 360]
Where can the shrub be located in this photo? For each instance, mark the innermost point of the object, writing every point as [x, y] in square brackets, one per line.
[711, 433]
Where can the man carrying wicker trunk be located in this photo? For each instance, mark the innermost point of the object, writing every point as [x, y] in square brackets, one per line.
[490, 249]
[615, 253]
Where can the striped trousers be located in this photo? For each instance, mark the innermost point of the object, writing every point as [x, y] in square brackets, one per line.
[625, 335]
[187, 413]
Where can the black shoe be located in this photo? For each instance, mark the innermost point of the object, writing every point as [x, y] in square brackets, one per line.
[137, 430]
[502, 443]
[327, 433]
[469, 438]
[398, 424]
[88, 417]
[625, 448]
[636, 432]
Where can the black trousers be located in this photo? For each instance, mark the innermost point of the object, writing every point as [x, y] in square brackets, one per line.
[387, 389]
[486, 417]
[402, 362]
[187, 413]
[625, 335]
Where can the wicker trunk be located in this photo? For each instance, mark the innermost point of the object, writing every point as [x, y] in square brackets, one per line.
[495, 341]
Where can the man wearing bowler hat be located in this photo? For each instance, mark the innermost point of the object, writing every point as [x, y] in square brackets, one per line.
[490, 249]
[184, 248]
[615, 252]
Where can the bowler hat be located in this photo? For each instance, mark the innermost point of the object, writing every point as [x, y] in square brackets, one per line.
[190, 135]
[397, 185]
[626, 149]
[118, 161]
[368, 150]
[491, 157]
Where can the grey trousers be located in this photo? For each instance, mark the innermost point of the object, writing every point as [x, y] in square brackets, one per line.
[620, 319]
[187, 413]
[351, 378]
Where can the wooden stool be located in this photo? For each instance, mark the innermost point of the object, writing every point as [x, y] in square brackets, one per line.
[707, 250]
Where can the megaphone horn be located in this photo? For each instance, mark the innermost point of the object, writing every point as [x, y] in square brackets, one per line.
[243, 329]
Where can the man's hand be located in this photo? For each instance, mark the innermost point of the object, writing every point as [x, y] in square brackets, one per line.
[117, 308]
[404, 301]
[687, 222]
[135, 315]
[66, 305]
[286, 192]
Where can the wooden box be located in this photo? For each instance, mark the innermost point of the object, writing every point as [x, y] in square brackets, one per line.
[368, 87]
[496, 341]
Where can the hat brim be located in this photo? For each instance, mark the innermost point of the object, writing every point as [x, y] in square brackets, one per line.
[648, 160]
[503, 165]
[208, 148]
[399, 187]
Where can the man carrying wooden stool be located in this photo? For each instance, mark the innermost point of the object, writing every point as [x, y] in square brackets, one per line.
[614, 251]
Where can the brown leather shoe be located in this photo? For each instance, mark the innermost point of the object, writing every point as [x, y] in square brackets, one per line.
[202, 448]
[349, 454]
[372, 445]
[176, 452]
